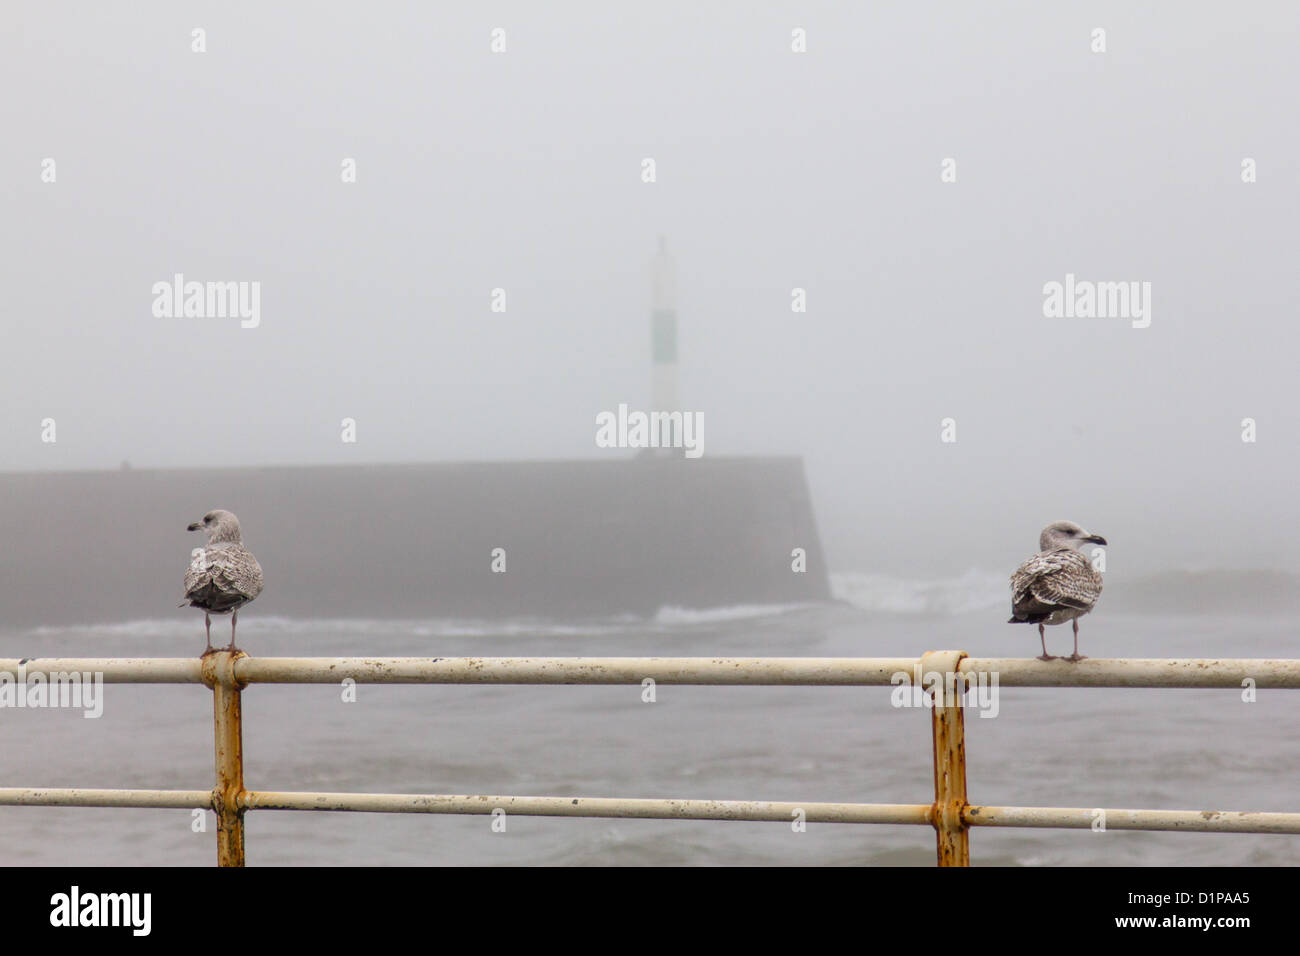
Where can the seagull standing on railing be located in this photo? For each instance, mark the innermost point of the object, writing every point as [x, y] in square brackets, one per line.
[1058, 584]
[222, 577]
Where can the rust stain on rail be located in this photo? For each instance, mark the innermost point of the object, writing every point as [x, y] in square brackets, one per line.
[227, 672]
[952, 836]
[228, 747]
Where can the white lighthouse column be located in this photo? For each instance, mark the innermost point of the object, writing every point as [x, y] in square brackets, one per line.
[663, 337]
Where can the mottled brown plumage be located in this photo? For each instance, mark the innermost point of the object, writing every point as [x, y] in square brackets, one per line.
[224, 576]
[1058, 584]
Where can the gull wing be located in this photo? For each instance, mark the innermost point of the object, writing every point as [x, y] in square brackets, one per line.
[1053, 580]
[223, 579]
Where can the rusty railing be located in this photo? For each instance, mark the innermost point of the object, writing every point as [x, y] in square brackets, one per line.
[943, 675]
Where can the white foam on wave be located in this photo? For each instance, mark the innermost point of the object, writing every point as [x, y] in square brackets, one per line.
[251, 625]
[973, 590]
[143, 627]
[670, 615]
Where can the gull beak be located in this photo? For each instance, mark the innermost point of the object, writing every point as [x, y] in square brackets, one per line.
[196, 526]
[1095, 539]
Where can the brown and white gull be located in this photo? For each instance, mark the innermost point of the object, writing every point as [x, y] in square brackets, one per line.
[1058, 584]
[224, 576]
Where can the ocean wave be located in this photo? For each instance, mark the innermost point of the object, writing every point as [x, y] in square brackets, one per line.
[670, 616]
[142, 627]
[666, 618]
[973, 590]
[1265, 592]
[254, 624]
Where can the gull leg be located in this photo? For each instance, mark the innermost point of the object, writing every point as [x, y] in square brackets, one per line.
[207, 627]
[234, 618]
[1076, 656]
[1043, 640]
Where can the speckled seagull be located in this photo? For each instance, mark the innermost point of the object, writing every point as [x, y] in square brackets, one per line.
[224, 576]
[1058, 584]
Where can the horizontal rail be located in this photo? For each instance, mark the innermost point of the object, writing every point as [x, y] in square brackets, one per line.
[1197, 821]
[115, 670]
[753, 671]
[756, 810]
[573, 670]
[79, 797]
[951, 814]
[899, 814]
[1138, 672]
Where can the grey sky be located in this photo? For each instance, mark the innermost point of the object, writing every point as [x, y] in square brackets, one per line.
[775, 170]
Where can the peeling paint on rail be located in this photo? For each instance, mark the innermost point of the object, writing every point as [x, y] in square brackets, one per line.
[227, 674]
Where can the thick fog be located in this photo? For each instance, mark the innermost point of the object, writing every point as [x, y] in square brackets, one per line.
[823, 170]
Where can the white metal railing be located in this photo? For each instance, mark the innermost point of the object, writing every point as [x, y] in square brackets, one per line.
[944, 674]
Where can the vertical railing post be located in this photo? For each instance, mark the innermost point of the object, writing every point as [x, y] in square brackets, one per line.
[219, 674]
[940, 677]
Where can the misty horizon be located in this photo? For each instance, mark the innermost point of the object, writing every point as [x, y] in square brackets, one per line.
[633, 426]
[776, 171]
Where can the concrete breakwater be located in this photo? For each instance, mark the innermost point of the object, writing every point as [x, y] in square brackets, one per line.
[576, 538]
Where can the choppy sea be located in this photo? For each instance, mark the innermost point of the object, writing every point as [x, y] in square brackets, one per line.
[1158, 749]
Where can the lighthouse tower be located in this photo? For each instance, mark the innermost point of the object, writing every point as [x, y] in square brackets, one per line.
[663, 332]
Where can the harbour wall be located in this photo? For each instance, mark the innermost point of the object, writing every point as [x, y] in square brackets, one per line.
[580, 538]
